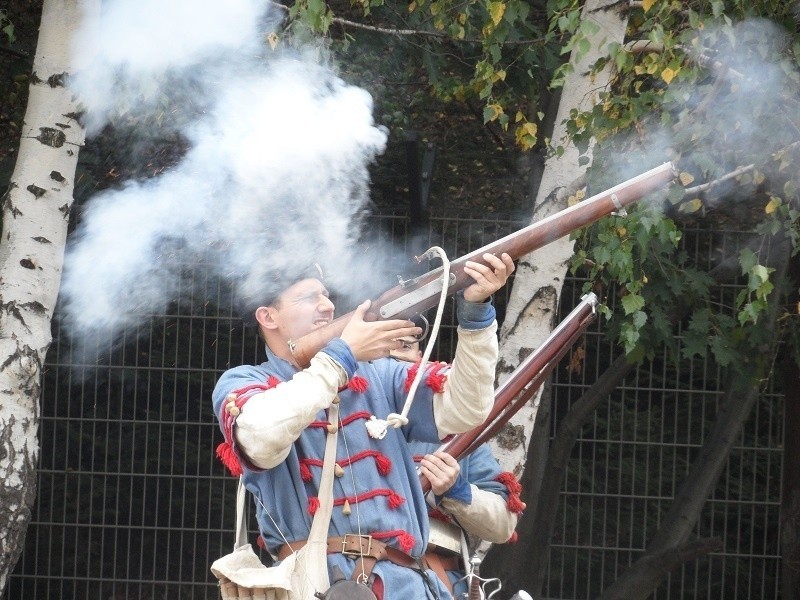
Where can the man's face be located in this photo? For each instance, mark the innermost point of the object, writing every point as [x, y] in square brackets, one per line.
[301, 308]
[408, 351]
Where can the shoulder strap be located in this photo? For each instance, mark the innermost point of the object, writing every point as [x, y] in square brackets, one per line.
[322, 517]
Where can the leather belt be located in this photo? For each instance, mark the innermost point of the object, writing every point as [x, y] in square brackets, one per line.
[364, 549]
[448, 561]
[367, 550]
[441, 563]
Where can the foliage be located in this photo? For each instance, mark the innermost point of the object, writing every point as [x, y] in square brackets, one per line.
[713, 87]
[500, 53]
[7, 27]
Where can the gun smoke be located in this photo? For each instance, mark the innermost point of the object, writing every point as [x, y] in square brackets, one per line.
[275, 176]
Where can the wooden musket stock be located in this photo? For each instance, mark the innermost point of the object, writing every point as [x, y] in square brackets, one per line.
[416, 295]
[524, 382]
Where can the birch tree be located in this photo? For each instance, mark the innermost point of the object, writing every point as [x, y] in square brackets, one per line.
[36, 209]
[532, 309]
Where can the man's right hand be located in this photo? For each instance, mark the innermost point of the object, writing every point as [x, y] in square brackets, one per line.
[369, 340]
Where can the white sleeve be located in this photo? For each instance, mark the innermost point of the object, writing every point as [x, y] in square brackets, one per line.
[469, 390]
[487, 516]
[272, 420]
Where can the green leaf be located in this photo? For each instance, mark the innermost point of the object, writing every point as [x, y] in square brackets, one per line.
[747, 260]
[724, 354]
[694, 344]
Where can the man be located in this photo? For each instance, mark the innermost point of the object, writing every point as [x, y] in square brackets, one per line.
[473, 494]
[274, 420]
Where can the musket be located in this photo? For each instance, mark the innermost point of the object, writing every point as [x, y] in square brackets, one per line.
[524, 381]
[413, 296]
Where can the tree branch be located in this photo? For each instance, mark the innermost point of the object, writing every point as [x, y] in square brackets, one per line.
[14, 52]
[699, 189]
[415, 32]
[654, 567]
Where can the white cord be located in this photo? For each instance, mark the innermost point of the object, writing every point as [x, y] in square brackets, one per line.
[377, 428]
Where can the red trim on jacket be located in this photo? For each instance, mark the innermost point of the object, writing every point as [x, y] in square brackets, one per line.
[230, 409]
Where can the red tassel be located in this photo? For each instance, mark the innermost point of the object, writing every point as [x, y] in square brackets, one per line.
[515, 505]
[228, 458]
[513, 539]
[406, 541]
[272, 381]
[261, 543]
[507, 479]
[313, 505]
[412, 373]
[436, 379]
[383, 463]
[395, 500]
[514, 502]
[358, 384]
[305, 472]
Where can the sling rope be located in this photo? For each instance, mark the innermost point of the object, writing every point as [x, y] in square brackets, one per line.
[377, 428]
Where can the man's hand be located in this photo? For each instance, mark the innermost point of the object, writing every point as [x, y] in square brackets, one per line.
[441, 470]
[369, 340]
[488, 278]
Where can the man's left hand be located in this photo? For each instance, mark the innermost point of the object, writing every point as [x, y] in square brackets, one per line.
[441, 470]
[488, 277]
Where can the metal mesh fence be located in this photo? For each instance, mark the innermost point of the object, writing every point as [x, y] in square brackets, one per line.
[636, 450]
[133, 504]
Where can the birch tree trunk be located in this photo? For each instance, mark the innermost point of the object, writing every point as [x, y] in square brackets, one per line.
[533, 303]
[35, 216]
[540, 275]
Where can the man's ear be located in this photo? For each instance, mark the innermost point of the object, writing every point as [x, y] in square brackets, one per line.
[265, 318]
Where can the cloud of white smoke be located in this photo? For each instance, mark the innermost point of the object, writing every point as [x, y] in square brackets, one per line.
[275, 177]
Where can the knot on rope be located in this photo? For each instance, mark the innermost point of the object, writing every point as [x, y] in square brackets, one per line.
[377, 428]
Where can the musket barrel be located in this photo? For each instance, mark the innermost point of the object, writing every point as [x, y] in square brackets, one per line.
[514, 393]
[516, 244]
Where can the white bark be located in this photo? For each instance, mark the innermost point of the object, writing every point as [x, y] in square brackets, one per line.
[532, 307]
[35, 217]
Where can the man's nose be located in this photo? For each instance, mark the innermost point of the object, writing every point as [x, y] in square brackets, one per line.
[325, 304]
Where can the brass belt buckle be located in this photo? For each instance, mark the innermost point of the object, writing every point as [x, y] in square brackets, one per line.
[360, 551]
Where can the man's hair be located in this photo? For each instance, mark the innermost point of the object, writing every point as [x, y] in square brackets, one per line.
[266, 288]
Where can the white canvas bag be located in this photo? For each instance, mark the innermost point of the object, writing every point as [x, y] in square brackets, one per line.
[302, 573]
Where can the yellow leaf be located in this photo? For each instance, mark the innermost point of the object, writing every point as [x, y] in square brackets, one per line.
[519, 117]
[686, 178]
[571, 201]
[412, 7]
[527, 129]
[772, 205]
[691, 206]
[496, 11]
[758, 178]
[648, 4]
[492, 111]
[668, 74]
[462, 18]
[580, 194]
[501, 75]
